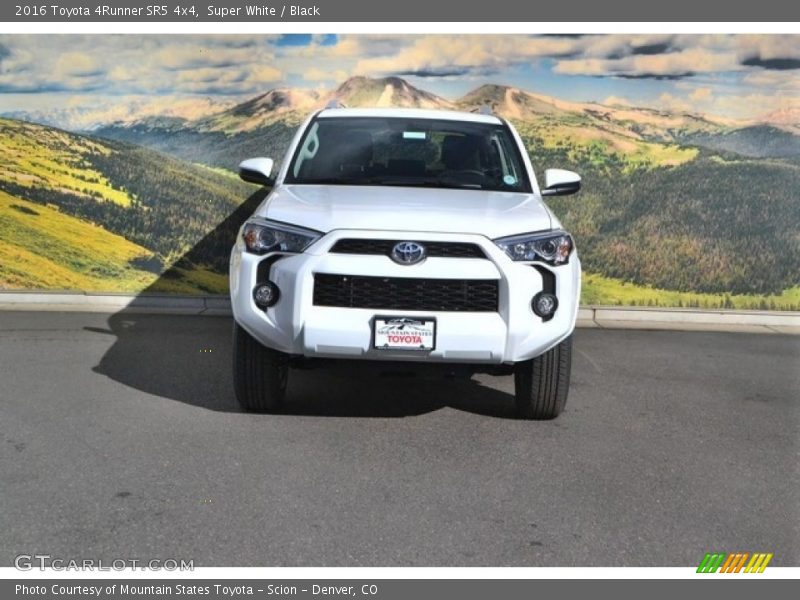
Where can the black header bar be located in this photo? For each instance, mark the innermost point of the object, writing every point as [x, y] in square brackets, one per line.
[441, 11]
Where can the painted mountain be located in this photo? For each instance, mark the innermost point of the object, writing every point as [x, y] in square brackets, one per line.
[263, 125]
[678, 208]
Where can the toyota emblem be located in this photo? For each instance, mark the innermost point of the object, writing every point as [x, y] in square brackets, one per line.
[408, 253]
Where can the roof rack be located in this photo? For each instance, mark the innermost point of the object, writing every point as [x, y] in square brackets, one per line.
[483, 110]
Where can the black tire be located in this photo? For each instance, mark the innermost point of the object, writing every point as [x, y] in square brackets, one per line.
[260, 374]
[541, 385]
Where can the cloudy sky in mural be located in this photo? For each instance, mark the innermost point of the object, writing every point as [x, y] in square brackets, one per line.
[737, 76]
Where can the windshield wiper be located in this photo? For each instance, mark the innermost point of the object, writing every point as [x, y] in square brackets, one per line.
[337, 180]
[435, 183]
[400, 182]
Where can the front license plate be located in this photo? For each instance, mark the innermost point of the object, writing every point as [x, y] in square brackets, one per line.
[404, 333]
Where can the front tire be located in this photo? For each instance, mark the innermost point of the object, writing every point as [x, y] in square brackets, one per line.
[260, 374]
[541, 385]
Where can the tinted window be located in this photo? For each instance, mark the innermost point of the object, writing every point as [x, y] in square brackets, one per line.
[410, 152]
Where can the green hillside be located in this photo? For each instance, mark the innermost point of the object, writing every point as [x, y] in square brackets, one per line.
[87, 258]
[211, 147]
[598, 290]
[81, 213]
[37, 157]
[581, 143]
[706, 226]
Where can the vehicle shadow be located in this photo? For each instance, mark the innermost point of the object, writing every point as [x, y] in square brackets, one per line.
[188, 359]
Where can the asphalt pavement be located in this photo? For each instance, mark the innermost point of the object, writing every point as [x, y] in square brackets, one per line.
[120, 438]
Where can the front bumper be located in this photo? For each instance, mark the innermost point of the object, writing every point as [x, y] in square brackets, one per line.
[296, 326]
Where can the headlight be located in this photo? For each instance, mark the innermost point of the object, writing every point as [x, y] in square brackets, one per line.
[553, 247]
[261, 237]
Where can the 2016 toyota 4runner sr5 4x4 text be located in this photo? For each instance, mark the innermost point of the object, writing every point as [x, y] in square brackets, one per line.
[405, 235]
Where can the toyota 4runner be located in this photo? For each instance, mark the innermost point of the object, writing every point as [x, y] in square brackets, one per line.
[405, 235]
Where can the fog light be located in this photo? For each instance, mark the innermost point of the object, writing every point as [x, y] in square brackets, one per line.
[265, 294]
[544, 304]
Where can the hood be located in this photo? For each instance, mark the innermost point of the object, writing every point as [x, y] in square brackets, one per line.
[328, 207]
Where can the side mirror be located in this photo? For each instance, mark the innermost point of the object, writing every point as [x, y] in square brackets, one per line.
[257, 170]
[560, 182]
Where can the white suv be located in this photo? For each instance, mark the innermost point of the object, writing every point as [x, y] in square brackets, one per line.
[405, 235]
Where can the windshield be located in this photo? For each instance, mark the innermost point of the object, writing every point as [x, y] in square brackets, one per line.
[408, 152]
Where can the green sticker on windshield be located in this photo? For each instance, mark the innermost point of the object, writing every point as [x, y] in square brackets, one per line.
[413, 135]
[509, 180]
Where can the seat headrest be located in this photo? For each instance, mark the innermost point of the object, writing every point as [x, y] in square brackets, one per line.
[460, 152]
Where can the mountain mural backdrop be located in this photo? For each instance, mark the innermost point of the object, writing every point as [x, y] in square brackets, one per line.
[680, 207]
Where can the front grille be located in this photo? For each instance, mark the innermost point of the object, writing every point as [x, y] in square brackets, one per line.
[384, 247]
[401, 293]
